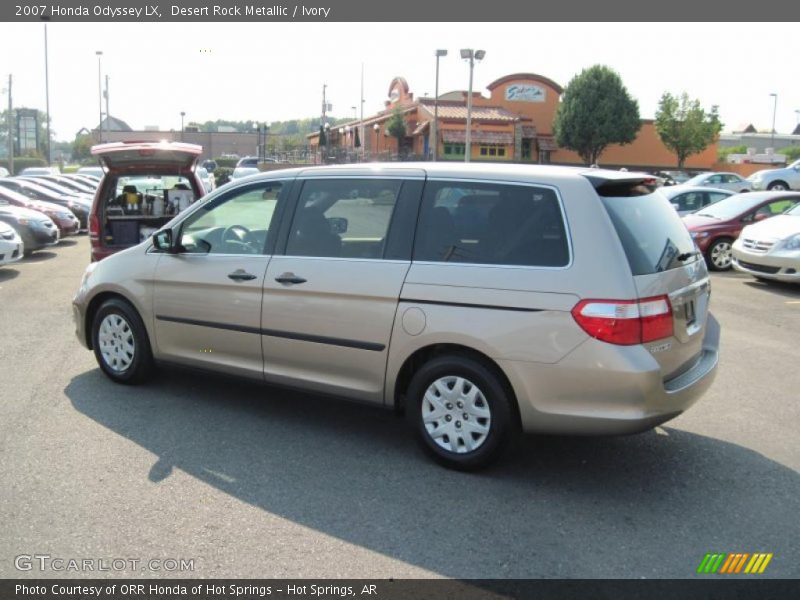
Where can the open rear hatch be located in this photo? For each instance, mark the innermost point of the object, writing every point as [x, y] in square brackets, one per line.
[668, 270]
[130, 156]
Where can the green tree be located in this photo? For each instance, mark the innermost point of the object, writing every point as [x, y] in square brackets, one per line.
[81, 147]
[396, 126]
[684, 127]
[596, 110]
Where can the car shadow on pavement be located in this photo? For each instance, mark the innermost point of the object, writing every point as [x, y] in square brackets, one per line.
[39, 256]
[649, 505]
[66, 242]
[778, 288]
[7, 274]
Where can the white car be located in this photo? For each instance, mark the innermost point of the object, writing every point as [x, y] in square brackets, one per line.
[787, 178]
[11, 246]
[240, 172]
[770, 249]
[723, 181]
[207, 178]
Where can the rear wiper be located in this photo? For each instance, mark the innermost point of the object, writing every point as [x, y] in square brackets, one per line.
[687, 255]
[707, 215]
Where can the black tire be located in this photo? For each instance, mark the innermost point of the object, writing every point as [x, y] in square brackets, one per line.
[141, 365]
[501, 424]
[778, 185]
[713, 250]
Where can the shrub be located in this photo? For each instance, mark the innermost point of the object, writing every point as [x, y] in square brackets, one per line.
[23, 162]
[226, 162]
[222, 175]
[792, 153]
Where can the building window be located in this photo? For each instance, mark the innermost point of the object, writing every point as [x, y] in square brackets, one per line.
[454, 149]
[492, 151]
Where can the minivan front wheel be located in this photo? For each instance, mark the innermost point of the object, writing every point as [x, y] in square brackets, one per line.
[460, 411]
[120, 342]
[720, 255]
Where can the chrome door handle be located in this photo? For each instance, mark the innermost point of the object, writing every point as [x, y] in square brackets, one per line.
[289, 279]
[241, 275]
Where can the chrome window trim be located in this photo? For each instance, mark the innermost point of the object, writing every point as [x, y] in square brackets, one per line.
[564, 219]
[345, 258]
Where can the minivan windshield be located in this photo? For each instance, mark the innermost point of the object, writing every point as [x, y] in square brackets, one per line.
[652, 234]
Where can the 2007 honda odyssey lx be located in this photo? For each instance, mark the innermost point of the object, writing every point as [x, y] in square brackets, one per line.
[482, 299]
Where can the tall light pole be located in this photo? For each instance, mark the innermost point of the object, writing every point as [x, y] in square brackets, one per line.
[435, 132]
[108, 111]
[774, 110]
[377, 129]
[183, 114]
[10, 119]
[47, 96]
[99, 54]
[471, 56]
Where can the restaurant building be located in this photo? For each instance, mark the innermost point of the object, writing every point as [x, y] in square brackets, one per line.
[514, 123]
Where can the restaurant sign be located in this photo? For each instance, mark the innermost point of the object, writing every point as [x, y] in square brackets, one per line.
[524, 93]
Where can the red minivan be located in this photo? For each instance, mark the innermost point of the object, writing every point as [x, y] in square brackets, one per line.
[145, 185]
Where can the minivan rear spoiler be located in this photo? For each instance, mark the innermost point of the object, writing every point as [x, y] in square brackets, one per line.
[614, 183]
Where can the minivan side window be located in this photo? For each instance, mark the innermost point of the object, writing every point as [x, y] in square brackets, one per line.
[492, 224]
[343, 218]
[237, 224]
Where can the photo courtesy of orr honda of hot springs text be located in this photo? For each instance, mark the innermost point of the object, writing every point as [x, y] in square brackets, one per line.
[480, 300]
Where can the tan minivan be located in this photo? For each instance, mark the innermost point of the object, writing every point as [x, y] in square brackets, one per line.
[481, 299]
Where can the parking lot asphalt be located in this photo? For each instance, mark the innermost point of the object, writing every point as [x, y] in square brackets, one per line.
[255, 481]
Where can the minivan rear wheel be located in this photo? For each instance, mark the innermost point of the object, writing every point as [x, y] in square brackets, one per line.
[120, 343]
[460, 412]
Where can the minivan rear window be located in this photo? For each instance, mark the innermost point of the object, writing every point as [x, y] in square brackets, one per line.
[491, 224]
[652, 234]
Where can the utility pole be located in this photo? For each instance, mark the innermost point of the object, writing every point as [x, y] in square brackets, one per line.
[99, 54]
[108, 114]
[47, 97]
[10, 119]
[361, 123]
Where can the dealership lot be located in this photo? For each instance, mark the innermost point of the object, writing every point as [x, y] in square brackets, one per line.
[253, 481]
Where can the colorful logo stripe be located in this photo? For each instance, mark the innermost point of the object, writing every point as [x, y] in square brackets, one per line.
[734, 562]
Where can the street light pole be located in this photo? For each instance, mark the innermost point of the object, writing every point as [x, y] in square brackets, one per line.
[435, 132]
[774, 110]
[183, 114]
[47, 96]
[99, 54]
[471, 56]
[9, 119]
[108, 112]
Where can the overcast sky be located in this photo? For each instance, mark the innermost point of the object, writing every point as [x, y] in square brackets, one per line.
[270, 72]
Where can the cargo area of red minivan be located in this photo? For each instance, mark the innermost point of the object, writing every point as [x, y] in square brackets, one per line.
[145, 185]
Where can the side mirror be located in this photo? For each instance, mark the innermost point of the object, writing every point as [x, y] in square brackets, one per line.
[162, 240]
[676, 206]
[338, 225]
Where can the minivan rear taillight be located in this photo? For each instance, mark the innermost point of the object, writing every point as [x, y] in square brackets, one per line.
[625, 322]
[94, 227]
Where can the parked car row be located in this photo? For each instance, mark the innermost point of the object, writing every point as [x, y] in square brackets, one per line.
[43, 206]
[757, 232]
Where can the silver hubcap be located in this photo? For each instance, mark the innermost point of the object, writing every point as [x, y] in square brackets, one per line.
[721, 255]
[456, 415]
[116, 343]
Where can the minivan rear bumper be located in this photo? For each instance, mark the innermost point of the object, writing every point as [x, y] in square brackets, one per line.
[602, 389]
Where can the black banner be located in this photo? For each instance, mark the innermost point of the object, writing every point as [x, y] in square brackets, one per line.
[381, 589]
